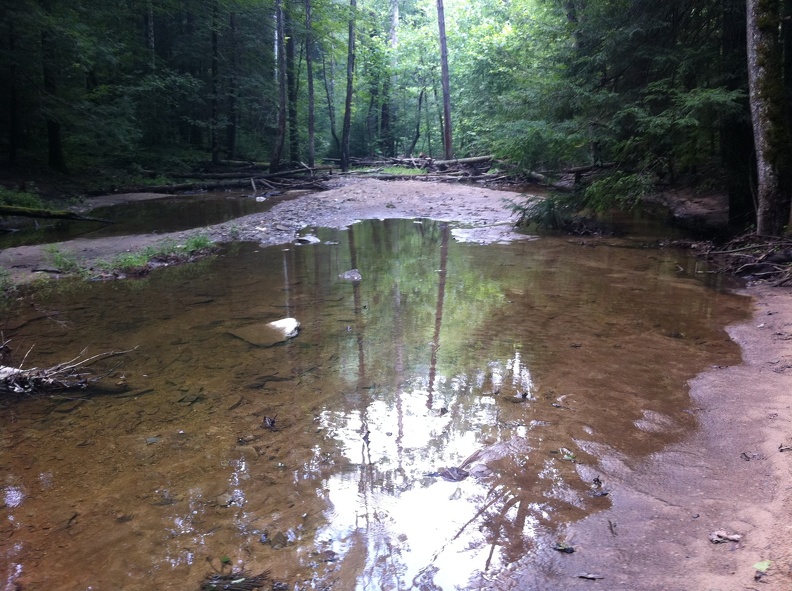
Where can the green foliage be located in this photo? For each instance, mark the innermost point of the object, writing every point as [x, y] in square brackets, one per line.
[196, 242]
[138, 262]
[559, 211]
[65, 262]
[402, 170]
[619, 190]
[6, 282]
[545, 84]
[549, 213]
[19, 198]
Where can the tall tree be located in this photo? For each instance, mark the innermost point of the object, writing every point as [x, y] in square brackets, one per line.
[350, 78]
[736, 133]
[281, 76]
[310, 79]
[445, 81]
[50, 67]
[215, 75]
[291, 86]
[233, 113]
[769, 116]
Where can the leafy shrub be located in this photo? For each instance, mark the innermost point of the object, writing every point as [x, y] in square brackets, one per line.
[618, 190]
[19, 198]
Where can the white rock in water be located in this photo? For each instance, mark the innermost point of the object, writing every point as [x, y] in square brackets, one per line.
[288, 326]
[351, 275]
[307, 239]
[269, 334]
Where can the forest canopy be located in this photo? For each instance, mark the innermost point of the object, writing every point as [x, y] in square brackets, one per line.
[657, 91]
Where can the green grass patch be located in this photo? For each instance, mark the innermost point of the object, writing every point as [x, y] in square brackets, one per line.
[403, 170]
[170, 251]
[65, 262]
[19, 198]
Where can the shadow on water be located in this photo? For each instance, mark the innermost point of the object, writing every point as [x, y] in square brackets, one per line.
[431, 424]
[166, 214]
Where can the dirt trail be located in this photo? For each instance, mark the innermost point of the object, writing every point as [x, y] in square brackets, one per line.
[729, 475]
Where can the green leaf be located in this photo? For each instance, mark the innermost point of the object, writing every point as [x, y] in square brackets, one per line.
[762, 566]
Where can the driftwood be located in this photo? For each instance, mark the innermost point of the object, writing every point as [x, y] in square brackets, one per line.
[281, 178]
[417, 162]
[70, 375]
[465, 161]
[244, 174]
[757, 258]
[235, 581]
[33, 212]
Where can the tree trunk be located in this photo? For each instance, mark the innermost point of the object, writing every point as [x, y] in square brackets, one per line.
[291, 86]
[417, 135]
[347, 125]
[768, 115]
[150, 34]
[233, 114]
[736, 134]
[330, 92]
[447, 139]
[215, 73]
[281, 75]
[309, 74]
[13, 99]
[56, 159]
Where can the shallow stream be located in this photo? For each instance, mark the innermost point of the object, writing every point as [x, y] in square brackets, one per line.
[448, 414]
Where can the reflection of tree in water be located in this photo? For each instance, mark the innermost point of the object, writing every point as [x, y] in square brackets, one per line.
[516, 489]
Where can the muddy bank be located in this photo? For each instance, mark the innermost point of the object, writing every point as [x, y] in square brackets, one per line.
[729, 475]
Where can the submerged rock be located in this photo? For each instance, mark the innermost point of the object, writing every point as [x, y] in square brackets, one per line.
[288, 326]
[351, 275]
[268, 334]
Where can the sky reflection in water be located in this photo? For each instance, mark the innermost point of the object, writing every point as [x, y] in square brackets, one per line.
[535, 366]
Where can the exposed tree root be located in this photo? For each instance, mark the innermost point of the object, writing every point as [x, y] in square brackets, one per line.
[757, 258]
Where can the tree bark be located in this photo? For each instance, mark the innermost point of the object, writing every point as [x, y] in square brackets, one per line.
[330, 92]
[233, 114]
[346, 129]
[13, 99]
[291, 87]
[445, 81]
[281, 75]
[736, 133]
[150, 34]
[56, 159]
[309, 75]
[215, 73]
[417, 134]
[768, 115]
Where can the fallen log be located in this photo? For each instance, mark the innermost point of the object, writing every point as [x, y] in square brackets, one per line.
[463, 161]
[208, 186]
[34, 212]
[254, 172]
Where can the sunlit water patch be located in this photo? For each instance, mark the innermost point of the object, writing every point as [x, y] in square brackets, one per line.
[432, 423]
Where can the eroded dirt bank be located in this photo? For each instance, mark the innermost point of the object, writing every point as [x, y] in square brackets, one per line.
[729, 475]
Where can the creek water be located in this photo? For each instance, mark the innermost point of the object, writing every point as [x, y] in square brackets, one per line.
[169, 213]
[540, 368]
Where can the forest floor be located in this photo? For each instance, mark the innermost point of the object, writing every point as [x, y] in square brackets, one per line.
[731, 472]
